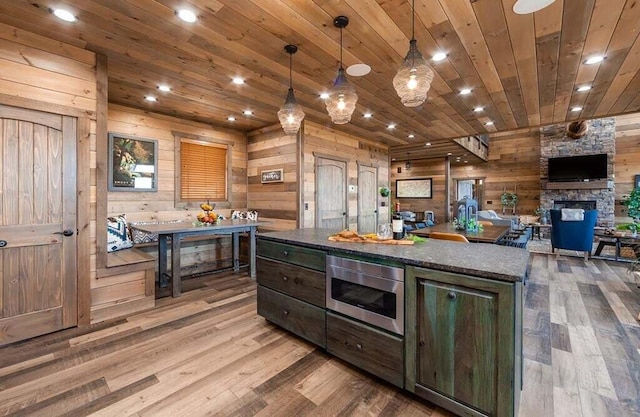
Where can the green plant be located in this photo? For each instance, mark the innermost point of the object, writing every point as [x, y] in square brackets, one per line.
[384, 191]
[541, 212]
[509, 199]
[633, 205]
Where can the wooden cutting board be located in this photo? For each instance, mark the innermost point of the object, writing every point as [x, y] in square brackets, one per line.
[361, 240]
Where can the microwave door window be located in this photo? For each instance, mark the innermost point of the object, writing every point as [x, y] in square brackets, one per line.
[368, 298]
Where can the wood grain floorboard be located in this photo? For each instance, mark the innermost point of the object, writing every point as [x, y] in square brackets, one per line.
[208, 353]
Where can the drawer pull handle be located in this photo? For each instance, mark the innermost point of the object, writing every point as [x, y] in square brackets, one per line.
[285, 312]
[285, 253]
[358, 346]
[452, 295]
[285, 279]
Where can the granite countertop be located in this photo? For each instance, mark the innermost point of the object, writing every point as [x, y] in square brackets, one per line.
[496, 262]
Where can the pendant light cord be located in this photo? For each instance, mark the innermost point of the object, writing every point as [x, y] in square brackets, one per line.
[413, 19]
[290, 70]
[340, 48]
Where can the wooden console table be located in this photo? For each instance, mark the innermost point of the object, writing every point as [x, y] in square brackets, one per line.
[175, 232]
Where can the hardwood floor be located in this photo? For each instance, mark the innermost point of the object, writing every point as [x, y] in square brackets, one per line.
[208, 353]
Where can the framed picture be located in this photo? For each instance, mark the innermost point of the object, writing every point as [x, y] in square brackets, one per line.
[133, 163]
[637, 182]
[273, 175]
[413, 188]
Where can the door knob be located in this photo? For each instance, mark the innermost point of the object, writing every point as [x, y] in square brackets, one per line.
[65, 232]
[3, 243]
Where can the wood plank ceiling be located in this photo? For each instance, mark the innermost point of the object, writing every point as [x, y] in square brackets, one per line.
[524, 70]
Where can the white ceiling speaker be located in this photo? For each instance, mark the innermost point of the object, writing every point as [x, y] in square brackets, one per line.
[530, 6]
[358, 70]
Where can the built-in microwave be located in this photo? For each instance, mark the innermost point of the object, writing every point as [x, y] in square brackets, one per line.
[366, 291]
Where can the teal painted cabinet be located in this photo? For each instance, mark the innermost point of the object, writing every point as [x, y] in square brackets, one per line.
[463, 342]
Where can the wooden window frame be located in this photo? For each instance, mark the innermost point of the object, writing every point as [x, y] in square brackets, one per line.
[179, 202]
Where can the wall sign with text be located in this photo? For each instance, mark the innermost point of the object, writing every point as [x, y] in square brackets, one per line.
[273, 175]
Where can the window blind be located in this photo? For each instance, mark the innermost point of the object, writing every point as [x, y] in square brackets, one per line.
[203, 171]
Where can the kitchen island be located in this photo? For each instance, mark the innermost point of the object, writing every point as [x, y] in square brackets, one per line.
[440, 319]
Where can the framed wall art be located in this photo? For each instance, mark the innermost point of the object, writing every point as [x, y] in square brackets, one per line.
[273, 175]
[133, 163]
[414, 188]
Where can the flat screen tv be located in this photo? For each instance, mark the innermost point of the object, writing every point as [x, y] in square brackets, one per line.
[578, 168]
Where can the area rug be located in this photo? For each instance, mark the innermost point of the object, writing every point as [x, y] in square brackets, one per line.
[544, 246]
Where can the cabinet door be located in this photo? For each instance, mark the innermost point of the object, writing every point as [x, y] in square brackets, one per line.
[463, 341]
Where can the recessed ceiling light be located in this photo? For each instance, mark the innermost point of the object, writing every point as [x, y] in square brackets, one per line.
[577, 108]
[358, 70]
[391, 126]
[478, 109]
[164, 88]
[324, 96]
[448, 153]
[489, 123]
[411, 136]
[466, 162]
[439, 56]
[594, 59]
[465, 91]
[584, 88]
[530, 6]
[247, 112]
[427, 144]
[238, 80]
[187, 15]
[367, 115]
[231, 118]
[150, 98]
[65, 15]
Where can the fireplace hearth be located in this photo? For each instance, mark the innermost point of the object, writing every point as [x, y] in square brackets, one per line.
[575, 204]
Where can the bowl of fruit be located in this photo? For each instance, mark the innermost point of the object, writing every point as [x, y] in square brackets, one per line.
[207, 217]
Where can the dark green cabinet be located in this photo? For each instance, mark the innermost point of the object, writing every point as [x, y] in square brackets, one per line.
[463, 342]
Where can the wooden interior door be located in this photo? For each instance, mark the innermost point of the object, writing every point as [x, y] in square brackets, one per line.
[367, 199]
[38, 268]
[331, 193]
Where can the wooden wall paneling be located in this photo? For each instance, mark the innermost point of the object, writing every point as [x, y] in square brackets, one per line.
[102, 117]
[427, 168]
[84, 215]
[627, 161]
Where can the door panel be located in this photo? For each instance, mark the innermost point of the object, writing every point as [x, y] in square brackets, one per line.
[367, 199]
[38, 275]
[331, 200]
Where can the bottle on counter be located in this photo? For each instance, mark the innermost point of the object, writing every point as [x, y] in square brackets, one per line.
[397, 225]
[397, 206]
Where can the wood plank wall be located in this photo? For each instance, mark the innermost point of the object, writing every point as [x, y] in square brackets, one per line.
[47, 75]
[327, 141]
[269, 148]
[627, 160]
[514, 160]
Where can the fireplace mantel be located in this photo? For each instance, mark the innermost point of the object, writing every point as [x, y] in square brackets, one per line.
[578, 185]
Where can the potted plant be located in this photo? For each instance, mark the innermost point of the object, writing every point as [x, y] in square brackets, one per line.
[543, 213]
[384, 191]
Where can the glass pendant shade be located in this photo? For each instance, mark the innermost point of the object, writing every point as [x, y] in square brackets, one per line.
[290, 114]
[414, 77]
[342, 100]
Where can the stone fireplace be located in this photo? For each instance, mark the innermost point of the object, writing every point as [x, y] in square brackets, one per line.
[555, 143]
[575, 204]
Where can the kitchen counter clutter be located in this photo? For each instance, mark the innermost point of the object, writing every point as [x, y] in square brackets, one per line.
[440, 319]
[482, 260]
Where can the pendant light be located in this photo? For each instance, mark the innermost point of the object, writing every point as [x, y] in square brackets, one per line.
[342, 96]
[290, 114]
[413, 79]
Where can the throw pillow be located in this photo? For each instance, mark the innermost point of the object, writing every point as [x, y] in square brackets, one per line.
[118, 233]
[237, 214]
[252, 215]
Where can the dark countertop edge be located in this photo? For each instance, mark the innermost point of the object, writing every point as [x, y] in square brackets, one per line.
[495, 276]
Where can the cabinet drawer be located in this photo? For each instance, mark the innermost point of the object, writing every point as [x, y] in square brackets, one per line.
[309, 258]
[367, 348]
[301, 283]
[303, 319]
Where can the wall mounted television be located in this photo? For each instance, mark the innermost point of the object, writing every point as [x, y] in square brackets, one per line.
[578, 168]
